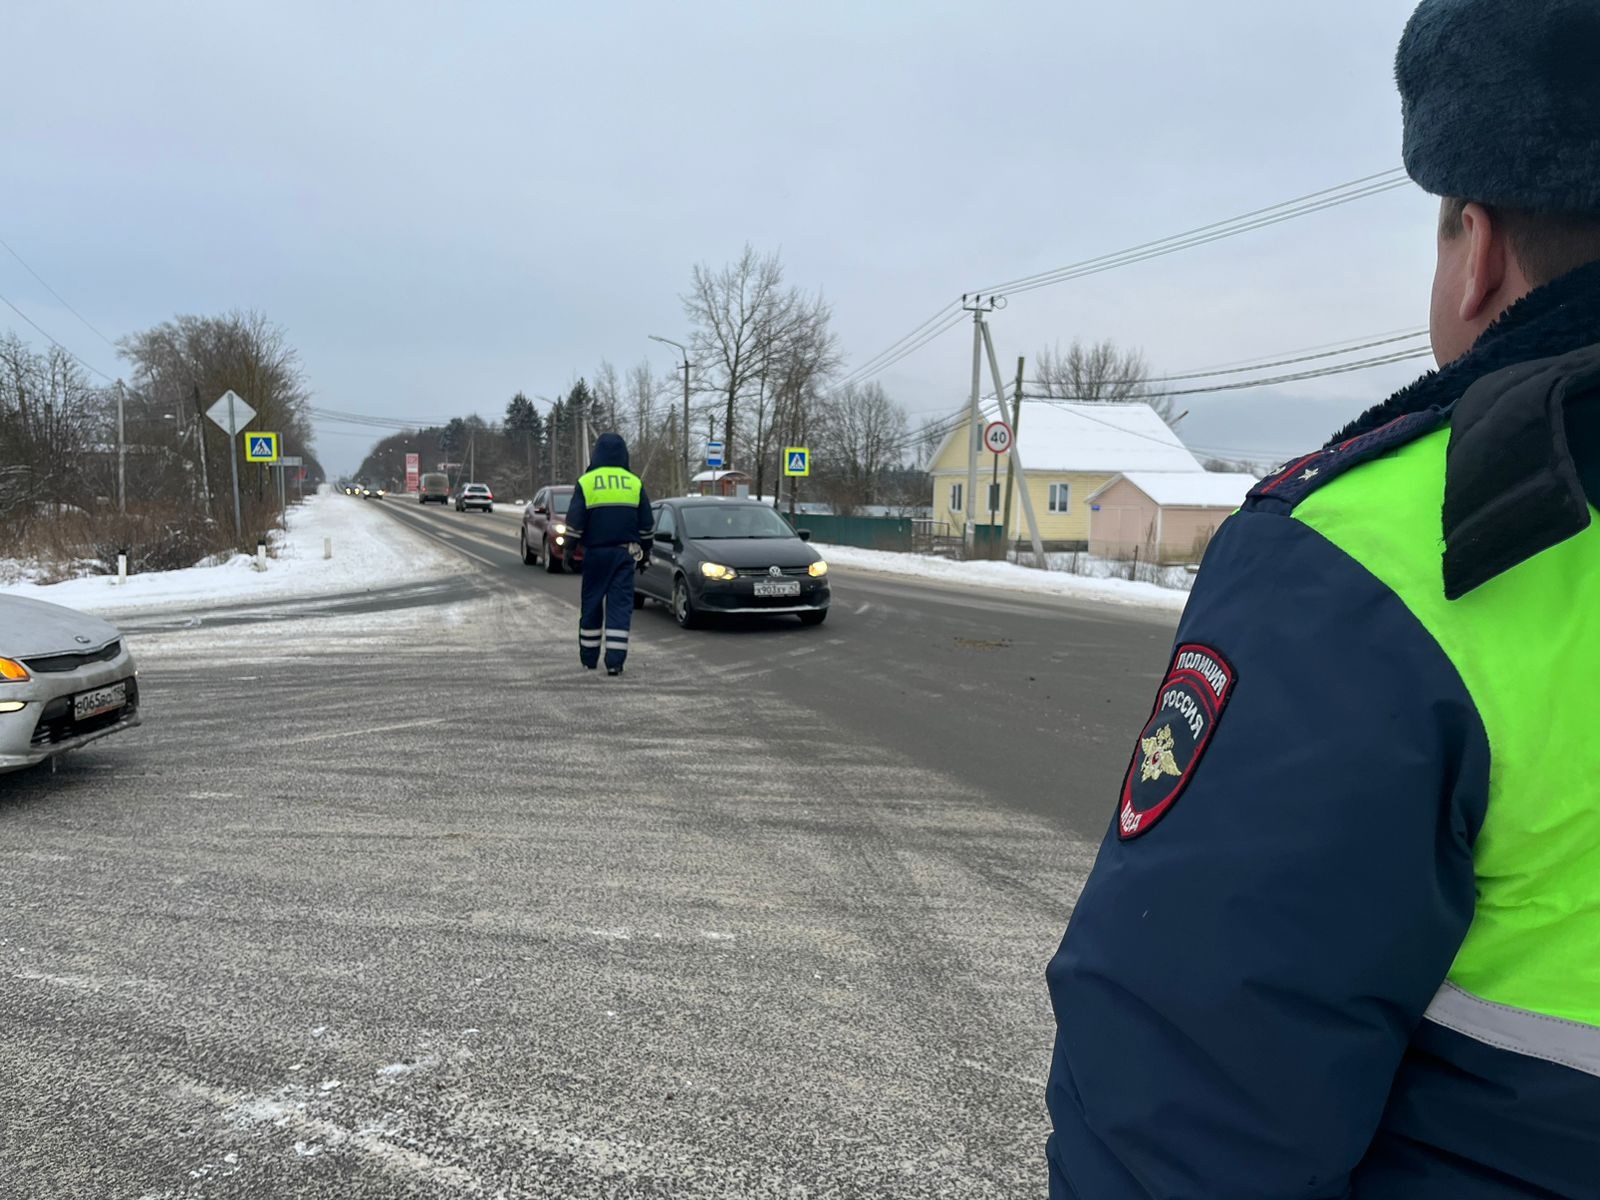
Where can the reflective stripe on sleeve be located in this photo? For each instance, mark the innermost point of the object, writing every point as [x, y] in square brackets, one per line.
[1553, 1039]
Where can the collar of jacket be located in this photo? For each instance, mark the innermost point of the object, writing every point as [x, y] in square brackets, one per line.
[1512, 488]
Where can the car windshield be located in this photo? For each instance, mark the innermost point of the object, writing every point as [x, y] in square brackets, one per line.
[559, 502]
[703, 521]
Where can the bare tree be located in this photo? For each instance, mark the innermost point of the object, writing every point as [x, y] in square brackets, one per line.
[803, 353]
[183, 365]
[648, 403]
[607, 402]
[862, 433]
[1098, 373]
[53, 432]
[736, 312]
[929, 437]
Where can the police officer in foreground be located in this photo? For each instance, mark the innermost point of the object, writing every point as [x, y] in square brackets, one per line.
[610, 514]
[1343, 935]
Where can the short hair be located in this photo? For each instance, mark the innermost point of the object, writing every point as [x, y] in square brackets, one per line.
[1547, 245]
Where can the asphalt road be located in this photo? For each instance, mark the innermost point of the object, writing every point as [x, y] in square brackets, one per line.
[389, 898]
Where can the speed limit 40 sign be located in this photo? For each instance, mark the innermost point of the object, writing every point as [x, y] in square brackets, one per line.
[997, 437]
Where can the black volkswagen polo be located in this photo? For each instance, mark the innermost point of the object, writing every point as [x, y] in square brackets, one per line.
[715, 555]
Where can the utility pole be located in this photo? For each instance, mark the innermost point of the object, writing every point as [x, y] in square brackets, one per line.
[200, 448]
[1016, 457]
[122, 456]
[233, 460]
[1016, 419]
[977, 308]
[683, 471]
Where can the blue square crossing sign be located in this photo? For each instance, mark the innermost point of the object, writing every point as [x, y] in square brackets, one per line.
[796, 460]
[261, 447]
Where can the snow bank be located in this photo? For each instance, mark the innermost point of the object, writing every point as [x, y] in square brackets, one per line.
[1009, 576]
[370, 550]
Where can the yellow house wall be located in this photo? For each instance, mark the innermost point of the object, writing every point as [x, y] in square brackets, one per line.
[1071, 526]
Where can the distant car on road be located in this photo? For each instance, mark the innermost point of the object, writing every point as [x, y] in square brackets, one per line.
[433, 488]
[369, 491]
[732, 556]
[66, 679]
[474, 495]
[544, 529]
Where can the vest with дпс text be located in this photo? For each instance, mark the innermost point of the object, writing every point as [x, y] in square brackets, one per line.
[610, 486]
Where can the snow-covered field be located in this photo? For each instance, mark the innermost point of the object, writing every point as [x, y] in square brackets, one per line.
[369, 551]
[1018, 578]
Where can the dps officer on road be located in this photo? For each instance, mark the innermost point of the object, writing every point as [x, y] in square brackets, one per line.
[610, 515]
[1343, 935]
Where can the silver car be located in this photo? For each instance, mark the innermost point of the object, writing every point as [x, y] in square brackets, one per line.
[65, 680]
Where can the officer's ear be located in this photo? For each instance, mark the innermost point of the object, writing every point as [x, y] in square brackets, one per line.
[1492, 279]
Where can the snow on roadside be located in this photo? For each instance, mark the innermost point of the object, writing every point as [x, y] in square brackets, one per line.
[1008, 575]
[370, 550]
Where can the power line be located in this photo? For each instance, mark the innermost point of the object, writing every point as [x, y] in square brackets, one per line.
[941, 322]
[1343, 342]
[57, 295]
[1265, 365]
[45, 334]
[1297, 377]
[1312, 202]
[1084, 271]
[869, 367]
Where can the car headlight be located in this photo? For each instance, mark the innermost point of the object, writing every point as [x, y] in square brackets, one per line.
[561, 541]
[717, 571]
[818, 569]
[380, 491]
[561, 526]
[11, 671]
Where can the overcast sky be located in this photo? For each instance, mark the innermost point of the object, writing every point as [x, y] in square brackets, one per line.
[443, 205]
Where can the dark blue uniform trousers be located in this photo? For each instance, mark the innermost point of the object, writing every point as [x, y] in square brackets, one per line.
[607, 608]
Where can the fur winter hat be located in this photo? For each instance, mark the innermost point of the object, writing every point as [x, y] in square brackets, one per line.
[1501, 100]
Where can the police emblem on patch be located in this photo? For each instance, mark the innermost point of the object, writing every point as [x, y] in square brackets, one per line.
[1193, 695]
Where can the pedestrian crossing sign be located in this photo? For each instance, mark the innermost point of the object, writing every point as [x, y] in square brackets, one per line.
[261, 447]
[796, 461]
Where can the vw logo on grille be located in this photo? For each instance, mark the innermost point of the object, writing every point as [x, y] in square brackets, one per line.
[774, 570]
[81, 640]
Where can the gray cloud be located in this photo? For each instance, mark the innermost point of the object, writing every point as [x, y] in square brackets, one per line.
[443, 206]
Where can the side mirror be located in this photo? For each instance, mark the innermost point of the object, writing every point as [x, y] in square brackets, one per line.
[803, 534]
[542, 511]
[663, 539]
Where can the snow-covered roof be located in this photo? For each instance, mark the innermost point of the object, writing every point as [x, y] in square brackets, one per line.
[1056, 436]
[1191, 489]
[714, 476]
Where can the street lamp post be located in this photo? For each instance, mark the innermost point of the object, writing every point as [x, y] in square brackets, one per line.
[683, 459]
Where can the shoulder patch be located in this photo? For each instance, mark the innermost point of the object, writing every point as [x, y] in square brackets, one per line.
[1189, 705]
[1291, 484]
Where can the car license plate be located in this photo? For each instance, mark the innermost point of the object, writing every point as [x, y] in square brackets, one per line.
[101, 700]
[778, 587]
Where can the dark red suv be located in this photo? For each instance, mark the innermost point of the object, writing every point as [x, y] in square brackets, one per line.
[544, 529]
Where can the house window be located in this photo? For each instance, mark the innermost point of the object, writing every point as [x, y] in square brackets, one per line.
[1060, 497]
[956, 498]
